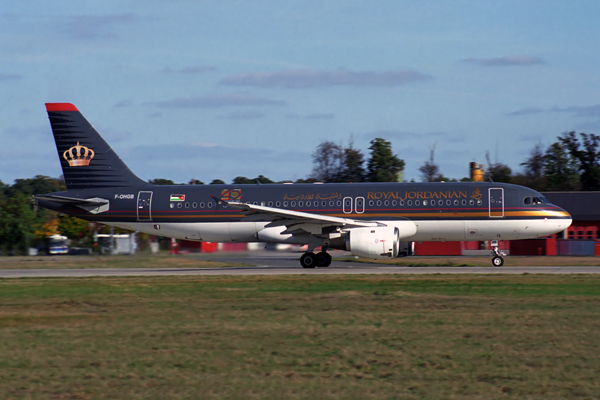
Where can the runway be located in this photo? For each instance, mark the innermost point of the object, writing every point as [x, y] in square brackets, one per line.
[287, 264]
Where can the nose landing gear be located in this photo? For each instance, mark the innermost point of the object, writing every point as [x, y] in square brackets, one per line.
[497, 259]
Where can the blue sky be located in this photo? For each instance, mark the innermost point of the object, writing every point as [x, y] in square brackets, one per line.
[216, 89]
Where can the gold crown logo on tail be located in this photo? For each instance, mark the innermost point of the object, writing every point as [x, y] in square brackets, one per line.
[78, 158]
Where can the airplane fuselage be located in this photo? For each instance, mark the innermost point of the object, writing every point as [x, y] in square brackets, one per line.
[440, 211]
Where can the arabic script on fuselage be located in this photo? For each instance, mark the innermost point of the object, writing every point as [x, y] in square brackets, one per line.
[311, 196]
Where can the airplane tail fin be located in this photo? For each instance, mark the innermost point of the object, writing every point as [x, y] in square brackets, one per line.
[87, 161]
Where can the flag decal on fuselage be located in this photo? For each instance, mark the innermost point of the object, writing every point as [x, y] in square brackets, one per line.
[178, 197]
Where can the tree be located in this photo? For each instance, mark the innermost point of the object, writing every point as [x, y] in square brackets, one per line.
[430, 170]
[217, 182]
[38, 185]
[497, 172]
[534, 169]
[161, 181]
[560, 169]
[353, 169]
[242, 180]
[587, 155]
[17, 222]
[383, 166]
[328, 161]
[73, 227]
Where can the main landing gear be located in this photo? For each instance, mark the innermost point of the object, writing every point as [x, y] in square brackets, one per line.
[312, 260]
[497, 259]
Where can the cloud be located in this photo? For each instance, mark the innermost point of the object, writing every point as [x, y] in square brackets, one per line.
[242, 115]
[90, 27]
[10, 77]
[312, 117]
[505, 61]
[524, 111]
[123, 103]
[592, 111]
[307, 78]
[190, 70]
[215, 101]
[320, 116]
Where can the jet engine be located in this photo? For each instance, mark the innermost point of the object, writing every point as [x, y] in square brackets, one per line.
[374, 243]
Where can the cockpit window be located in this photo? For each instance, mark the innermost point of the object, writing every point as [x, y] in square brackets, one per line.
[529, 201]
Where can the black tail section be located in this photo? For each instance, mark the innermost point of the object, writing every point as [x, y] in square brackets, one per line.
[87, 161]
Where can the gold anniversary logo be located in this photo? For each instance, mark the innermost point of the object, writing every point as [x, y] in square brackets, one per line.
[78, 155]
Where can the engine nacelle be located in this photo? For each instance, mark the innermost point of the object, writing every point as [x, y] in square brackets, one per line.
[374, 243]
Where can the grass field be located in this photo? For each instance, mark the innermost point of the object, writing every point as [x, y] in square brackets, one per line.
[299, 337]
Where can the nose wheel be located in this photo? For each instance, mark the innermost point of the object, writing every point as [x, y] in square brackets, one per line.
[497, 259]
[312, 260]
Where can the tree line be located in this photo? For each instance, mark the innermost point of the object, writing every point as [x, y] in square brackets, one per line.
[571, 163]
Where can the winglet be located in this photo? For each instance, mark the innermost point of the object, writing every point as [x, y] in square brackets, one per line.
[60, 107]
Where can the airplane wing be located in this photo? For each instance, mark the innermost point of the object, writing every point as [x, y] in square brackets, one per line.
[297, 222]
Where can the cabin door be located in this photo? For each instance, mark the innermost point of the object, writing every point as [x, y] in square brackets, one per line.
[144, 206]
[496, 196]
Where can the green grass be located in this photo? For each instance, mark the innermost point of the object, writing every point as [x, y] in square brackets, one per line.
[298, 337]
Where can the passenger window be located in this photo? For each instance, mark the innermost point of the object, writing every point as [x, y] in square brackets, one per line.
[448, 202]
[409, 203]
[393, 202]
[471, 202]
[293, 204]
[378, 203]
[278, 204]
[285, 203]
[194, 205]
[300, 204]
[270, 204]
[172, 205]
[455, 202]
[201, 204]
[417, 202]
[464, 202]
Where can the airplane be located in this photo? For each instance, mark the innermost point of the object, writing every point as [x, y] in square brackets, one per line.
[370, 220]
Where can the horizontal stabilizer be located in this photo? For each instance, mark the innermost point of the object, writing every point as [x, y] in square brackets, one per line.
[93, 205]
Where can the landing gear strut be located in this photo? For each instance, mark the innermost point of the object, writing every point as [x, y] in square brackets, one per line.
[312, 260]
[497, 259]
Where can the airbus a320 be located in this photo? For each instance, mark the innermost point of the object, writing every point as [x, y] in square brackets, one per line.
[370, 220]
